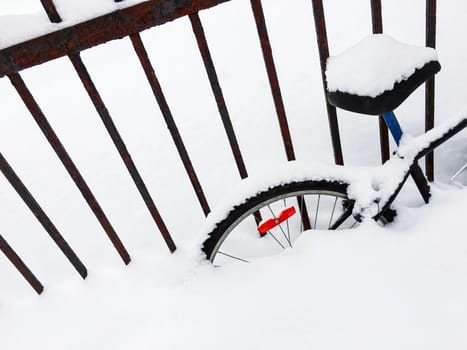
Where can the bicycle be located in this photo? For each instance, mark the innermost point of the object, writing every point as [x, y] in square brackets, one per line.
[262, 216]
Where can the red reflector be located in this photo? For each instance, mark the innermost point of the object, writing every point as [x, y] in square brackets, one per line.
[271, 223]
[266, 226]
[286, 213]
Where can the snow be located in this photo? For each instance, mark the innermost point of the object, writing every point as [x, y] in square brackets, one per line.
[410, 146]
[372, 287]
[374, 65]
[397, 287]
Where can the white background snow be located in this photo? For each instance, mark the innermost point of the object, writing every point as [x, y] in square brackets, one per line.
[401, 286]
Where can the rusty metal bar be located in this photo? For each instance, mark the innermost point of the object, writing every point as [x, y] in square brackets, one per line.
[167, 114]
[103, 112]
[20, 266]
[217, 91]
[268, 57]
[272, 76]
[51, 11]
[377, 23]
[376, 16]
[321, 35]
[41, 216]
[115, 25]
[430, 84]
[121, 147]
[54, 141]
[198, 30]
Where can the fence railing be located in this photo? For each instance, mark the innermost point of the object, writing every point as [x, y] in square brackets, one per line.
[129, 22]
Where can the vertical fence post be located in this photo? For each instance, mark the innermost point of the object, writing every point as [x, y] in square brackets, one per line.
[54, 141]
[376, 16]
[430, 84]
[198, 30]
[103, 112]
[272, 75]
[377, 23]
[268, 57]
[51, 11]
[68, 163]
[217, 91]
[322, 37]
[20, 266]
[41, 216]
[156, 88]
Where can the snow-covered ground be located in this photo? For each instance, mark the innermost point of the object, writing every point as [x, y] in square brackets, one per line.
[401, 286]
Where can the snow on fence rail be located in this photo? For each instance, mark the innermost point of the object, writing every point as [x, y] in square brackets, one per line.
[130, 21]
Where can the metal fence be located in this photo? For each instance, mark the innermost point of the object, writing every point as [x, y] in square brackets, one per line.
[129, 22]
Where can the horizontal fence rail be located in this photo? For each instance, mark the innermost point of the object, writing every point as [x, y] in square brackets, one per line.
[130, 22]
[82, 36]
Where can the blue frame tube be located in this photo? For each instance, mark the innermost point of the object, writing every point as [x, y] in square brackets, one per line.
[416, 173]
[394, 126]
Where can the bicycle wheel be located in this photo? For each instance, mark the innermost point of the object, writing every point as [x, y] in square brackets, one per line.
[286, 211]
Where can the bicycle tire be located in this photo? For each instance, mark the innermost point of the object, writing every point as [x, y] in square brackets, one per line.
[238, 214]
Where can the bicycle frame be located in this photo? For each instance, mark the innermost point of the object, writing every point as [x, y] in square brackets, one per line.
[428, 141]
[416, 172]
[370, 190]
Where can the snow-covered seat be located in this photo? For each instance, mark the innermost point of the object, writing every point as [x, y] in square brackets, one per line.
[378, 74]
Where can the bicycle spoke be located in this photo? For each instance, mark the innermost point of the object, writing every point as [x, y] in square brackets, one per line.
[287, 223]
[233, 257]
[317, 208]
[340, 220]
[332, 213]
[282, 230]
[278, 242]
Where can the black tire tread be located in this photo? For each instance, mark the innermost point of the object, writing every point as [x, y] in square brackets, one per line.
[236, 212]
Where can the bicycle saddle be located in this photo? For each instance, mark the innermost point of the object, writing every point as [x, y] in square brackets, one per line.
[378, 74]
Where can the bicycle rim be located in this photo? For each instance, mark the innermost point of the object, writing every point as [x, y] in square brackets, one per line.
[324, 205]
